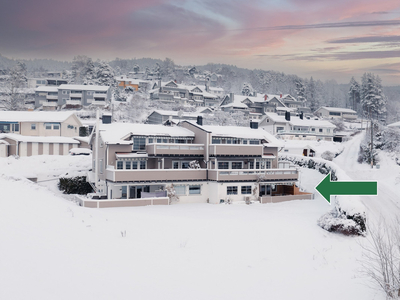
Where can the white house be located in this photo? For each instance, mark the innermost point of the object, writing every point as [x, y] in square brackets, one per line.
[297, 127]
[346, 114]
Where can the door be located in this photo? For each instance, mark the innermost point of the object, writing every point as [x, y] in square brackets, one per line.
[35, 149]
[23, 149]
[46, 149]
[56, 149]
[132, 192]
[65, 149]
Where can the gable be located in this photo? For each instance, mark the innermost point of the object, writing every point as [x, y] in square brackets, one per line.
[197, 90]
[171, 84]
[247, 101]
[276, 101]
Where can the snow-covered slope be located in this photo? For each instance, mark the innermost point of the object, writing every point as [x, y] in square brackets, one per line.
[53, 249]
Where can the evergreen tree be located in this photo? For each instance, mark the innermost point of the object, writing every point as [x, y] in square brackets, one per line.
[373, 100]
[354, 93]
[105, 75]
[300, 91]
[247, 89]
[312, 95]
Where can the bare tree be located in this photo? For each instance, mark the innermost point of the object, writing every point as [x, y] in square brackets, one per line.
[381, 257]
[14, 97]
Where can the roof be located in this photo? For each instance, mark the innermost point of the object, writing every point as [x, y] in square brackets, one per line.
[174, 113]
[338, 109]
[44, 88]
[39, 139]
[296, 121]
[240, 132]
[34, 116]
[115, 132]
[83, 87]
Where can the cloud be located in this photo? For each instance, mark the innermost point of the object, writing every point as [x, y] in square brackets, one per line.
[367, 39]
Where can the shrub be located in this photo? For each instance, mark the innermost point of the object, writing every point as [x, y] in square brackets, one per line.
[337, 221]
[328, 155]
[74, 185]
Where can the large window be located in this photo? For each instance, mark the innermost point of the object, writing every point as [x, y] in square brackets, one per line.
[246, 189]
[48, 126]
[33, 126]
[56, 126]
[143, 165]
[180, 189]
[134, 165]
[194, 190]
[128, 165]
[254, 142]
[120, 165]
[175, 165]
[223, 165]
[185, 165]
[333, 113]
[237, 165]
[139, 143]
[231, 190]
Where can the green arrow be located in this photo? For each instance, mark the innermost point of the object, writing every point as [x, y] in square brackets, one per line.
[327, 188]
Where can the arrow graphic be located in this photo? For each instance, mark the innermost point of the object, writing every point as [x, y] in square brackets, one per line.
[350, 188]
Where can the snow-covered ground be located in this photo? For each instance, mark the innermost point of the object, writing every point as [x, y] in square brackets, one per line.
[53, 249]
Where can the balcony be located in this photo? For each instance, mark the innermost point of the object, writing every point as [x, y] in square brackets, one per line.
[98, 95]
[253, 175]
[350, 116]
[153, 175]
[235, 150]
[304, 132]
[52, 97]
[175, 149]
[50, 104]
[73, 102]
[76, 95]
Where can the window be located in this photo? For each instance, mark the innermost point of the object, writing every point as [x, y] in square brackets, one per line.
[246, 189]
[139, 143]
[251, 164]
[194, 190]
[185, 165]
[120, 165]
[158, 140]
[150, 141]
[16, 127]
[180, 141]
[223, 165]
[134, 165]
[254, 142]
[237, 165]
[180, 189]
[216, 141]
[231, 190]
[48, 126]
[127, 165]
[101, 166]
[333, 113]
[320, 130]
[175, 165]
[257, 165]
[244, 142]
[56, 126]
[268, 164]
[33, 126]
[143, 165]
[328, 130]
[312, 129]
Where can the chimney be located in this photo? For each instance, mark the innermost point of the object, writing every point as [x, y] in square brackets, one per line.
[281, 96]
[231, 97]
[207, 85]
[265, 97]
[200, 120]
[255, 94]
[301, 115]
[253, 125]
[287, 116]
[159, 83]
[106, 118]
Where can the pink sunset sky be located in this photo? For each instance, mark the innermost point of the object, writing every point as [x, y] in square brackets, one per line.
[321, 38]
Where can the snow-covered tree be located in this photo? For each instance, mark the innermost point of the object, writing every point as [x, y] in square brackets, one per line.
[373, 100]
[311, 93]
[136, 68]
[167, 69]
[16, 80]
[354, 93]
[105, 75]
[300, 91]
[83, 70]
[247, 89]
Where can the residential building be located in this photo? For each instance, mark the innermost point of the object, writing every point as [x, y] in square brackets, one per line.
[36, 82]
[297, 127]
[202, 164]
[21, 145]
[346, 114]
[71, 96]
[173, 117]
[183, 94]
[33, 123]
[134, 83]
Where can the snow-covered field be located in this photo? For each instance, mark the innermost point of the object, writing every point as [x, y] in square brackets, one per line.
[50, 248]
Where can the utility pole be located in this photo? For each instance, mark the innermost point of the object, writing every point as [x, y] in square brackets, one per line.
[96, 163]
[372, 142]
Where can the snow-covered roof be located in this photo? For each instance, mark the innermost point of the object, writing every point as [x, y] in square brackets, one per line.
[115, 132]
[45, 88]
[338, 109]
[235, 104]
[83, 87]
[176, 113]
[34, 116]
[296, 121]
[39, 139]
[240, 132]
[396, 124]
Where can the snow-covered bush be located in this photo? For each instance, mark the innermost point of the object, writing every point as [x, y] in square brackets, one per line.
[194, 164]
[328, 155]
[74, 185]
[339, 124]
[338, 221]
[171, 193]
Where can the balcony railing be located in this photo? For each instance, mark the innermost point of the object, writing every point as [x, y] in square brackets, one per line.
[235, 150]
[52, 97]
[156, 175]
[76, 95]
[97, 95]
[306, 132]
[73, 102]
[253, 175]
[175, 149]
